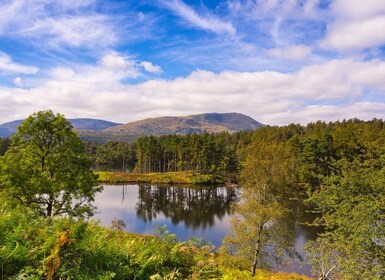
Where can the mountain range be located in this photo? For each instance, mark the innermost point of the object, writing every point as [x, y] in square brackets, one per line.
[7, 129]
[95, 130]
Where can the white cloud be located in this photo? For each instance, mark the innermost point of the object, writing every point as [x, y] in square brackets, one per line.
[357, 25]
[149, 67]
[294, 52]
[359, 110]
[329, 91]
[356, 35]
[116, 61]
[7, 65]
[57, 24]
[86, 31]
[18, 82]
[358, 9]
[110, 70]
[206, 22]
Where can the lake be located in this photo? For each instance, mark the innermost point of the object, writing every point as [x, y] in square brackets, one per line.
[202, 212]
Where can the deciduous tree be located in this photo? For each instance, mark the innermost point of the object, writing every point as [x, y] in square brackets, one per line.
[260, 233]
[352, 204]
[47, 169]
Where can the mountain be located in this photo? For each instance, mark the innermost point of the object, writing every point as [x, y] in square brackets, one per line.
[211, 123]
[91, 124]
[10, 128]
[7, 129]
[102, 131]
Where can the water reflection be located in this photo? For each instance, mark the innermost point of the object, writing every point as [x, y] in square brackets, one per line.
[191, 212]
[196, 208]
[187, 212]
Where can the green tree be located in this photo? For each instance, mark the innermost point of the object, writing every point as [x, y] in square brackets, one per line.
[4, 144]
[259, 234]
[352, 204]
[47, 169]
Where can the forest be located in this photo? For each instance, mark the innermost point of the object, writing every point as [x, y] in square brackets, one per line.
[204, 154]
[337, 168]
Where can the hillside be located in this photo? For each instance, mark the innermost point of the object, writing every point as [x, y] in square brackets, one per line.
[7, 129]
[95, 130]
[183, 125]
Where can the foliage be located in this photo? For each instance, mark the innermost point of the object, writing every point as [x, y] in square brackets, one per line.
[353, 207]
[4, 145]
[258, 234]
[213, 154]
[115, 154]
[158, 178]
[46, 167]
[64, 248]
[339, 165]
[32, 247]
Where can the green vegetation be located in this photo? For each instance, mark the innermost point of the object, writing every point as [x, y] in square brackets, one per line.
[4, 145]
[206, 154]
[46, 168]
[158, 178]
[33, 247]
[353, 207]
[259, 235]
[36, 248]
[337, 168]
[340, 167]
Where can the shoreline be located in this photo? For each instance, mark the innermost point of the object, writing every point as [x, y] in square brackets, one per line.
[188, 178]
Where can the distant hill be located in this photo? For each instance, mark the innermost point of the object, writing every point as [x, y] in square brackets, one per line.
[211, 123]
[91, 124]
[7, 129]
[102, 131]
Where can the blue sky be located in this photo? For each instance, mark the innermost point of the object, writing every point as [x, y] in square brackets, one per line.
[278, 61]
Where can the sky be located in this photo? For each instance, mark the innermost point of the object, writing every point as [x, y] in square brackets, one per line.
[278, 61]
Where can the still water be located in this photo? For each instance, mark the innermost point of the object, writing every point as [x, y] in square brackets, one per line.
[202, 212]
[187, 212]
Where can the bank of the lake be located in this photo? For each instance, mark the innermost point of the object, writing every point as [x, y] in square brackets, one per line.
[190, 212]
[34, 247]
[191, 178]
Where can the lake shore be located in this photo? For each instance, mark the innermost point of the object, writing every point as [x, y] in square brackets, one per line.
[190, 178]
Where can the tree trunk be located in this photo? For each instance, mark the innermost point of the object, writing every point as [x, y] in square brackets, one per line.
[257, 250]
[49, 209]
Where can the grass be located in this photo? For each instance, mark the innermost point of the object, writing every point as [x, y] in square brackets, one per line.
[158, 178]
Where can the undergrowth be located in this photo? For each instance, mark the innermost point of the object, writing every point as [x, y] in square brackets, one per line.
[32, 247]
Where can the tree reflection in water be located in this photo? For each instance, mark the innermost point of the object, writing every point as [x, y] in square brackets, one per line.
[196, 207]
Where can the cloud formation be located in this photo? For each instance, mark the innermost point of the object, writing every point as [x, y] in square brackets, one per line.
[149, 67]
[271, 97]
[294, 52]
[278, 61]
[7, 66]
[356, 25]
[206, 22]
[57, 24]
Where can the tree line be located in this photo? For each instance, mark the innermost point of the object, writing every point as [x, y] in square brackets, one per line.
[205, 154]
